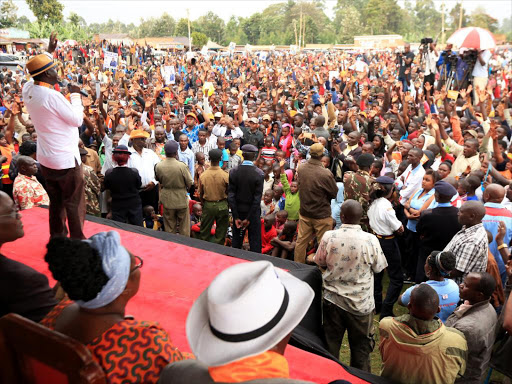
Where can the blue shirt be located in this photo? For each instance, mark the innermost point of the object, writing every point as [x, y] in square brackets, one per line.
[494, 213]
[448, 292]
[225, 157]
[417, 203]
[193, 135]
[187, 157]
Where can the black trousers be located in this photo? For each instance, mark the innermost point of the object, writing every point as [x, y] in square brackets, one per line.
[150, 198]
[410, 260]
[254, 231]
[131, 214]
[392, 253]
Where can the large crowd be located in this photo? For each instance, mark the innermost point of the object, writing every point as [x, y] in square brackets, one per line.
[357, 162]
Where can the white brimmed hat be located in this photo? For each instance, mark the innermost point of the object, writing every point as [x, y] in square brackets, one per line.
[247, 309]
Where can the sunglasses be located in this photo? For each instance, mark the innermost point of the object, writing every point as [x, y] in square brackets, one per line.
[138, 265]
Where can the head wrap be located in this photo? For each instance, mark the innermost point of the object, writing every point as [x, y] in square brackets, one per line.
[116, 265]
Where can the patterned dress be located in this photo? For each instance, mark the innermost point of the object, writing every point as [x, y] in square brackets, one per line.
[92, 191]
[357, 187]
[130, 351]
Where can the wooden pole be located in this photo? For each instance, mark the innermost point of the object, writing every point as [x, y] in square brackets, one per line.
[300, 28]
[189, 39]
[461, 10]
[442, 24]
[295, 29]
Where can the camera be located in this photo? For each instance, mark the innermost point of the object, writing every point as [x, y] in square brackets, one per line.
[427, 40]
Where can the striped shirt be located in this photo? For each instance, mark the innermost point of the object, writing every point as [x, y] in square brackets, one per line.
[204, 149]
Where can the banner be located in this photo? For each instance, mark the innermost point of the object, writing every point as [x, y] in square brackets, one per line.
[110, 60]
[232, 46]
[169, 74]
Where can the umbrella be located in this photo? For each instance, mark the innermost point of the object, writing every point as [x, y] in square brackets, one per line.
[70, 43]
[473, 38]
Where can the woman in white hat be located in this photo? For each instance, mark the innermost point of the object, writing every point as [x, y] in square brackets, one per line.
[240, 325]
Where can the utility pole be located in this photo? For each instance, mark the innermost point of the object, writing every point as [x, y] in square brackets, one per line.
[295, 29]
[442, 23]
[300, 28]
[304, 33]
[461, 10]
[189, 39]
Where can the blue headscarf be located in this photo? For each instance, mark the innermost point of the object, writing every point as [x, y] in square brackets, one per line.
[116, 265]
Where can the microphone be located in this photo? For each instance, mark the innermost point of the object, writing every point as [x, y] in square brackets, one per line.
[65, 83]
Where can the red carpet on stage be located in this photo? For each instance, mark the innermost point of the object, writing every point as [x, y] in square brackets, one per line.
[173, 276]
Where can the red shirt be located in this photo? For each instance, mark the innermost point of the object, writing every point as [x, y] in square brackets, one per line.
[266, 237]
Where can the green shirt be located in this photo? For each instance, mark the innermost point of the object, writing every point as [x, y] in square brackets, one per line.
[292, 202]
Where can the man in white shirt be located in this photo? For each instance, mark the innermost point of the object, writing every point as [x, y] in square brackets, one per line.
[351, 257]
[430, 57]
[411, 179]
[56, 121]
[481, 71]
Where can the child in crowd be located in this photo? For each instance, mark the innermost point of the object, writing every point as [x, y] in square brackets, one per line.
[268, 151]
[281, 218]
[376, 168]
[268, 232]
[326, 161]
[200, 167]
[467, 188]
[152, 220]
[284, 242]
[221, 144]
[292, 201]
[234, 159]
[279, 199]
[267, 204]
[238, 144]
[195, 219]
[268, 181]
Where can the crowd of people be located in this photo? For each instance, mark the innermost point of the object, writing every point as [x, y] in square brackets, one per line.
[359, 163]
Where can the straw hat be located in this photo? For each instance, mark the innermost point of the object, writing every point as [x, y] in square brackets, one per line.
[139, 134]
[246, 310]
[39, 64]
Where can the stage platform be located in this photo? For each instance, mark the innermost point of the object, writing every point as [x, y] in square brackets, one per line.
[176, 270]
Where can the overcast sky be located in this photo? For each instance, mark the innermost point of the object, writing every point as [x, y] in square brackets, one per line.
[129, 11]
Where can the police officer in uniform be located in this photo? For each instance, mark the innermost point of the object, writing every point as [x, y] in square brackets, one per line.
[385, 225]
[244, 198]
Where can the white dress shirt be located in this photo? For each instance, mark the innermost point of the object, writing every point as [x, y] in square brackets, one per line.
[108, 162]
[412, 182]
[145, 164]
[382, 217]
[56, 121]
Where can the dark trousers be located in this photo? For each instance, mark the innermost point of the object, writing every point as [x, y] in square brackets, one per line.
[429, 79]
[215, 212]
[411, 260]
[394, 269]
[130, 213]
[254, 229]
[66, 191]
[150, 198]
[360, 334]
[420, 267]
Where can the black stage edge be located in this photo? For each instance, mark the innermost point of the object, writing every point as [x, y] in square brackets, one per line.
[308, 335]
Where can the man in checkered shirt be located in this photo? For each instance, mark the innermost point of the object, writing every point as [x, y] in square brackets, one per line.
[470, 244]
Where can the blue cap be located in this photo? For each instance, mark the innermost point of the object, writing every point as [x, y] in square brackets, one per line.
[249, 148]
[171, 147]
[444, 188]
[384, 180]
[121, 149]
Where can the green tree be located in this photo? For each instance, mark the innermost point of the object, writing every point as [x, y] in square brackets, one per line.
[46, 10]
[22, 22]
[455, 15]
[8, 16]
[199, 39]
[479, 18]
[77, 20]
[382, 17]
[428, 19]
[349, 24]
[212, 26]
[182, 28]
[234, 31]
[251, 27]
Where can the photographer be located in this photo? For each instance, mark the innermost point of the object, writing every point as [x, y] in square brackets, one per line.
[444, 65]
[429, 58]
[404, 61]
[481, 71]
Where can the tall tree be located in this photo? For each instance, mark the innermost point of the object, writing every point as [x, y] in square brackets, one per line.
[46, 10]
[428, 19]
[8, 16]
[479, 18]
[349, 24]
[212, 26]
[455, 16]
[199, 39]
[181, 28]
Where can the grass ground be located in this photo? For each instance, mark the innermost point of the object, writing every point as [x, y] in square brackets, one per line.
[376, 361]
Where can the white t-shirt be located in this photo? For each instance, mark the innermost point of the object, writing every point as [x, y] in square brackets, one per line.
[482, 70]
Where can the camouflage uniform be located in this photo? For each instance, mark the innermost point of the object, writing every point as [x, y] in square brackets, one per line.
[357, 187]
[92, 191]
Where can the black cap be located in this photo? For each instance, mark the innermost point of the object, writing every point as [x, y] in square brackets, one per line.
[171, 147]
[121, 149]
[215, 154]
[365, 160]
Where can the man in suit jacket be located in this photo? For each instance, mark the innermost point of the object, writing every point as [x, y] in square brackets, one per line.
[437, 226]
[22, 289]
[244, 197]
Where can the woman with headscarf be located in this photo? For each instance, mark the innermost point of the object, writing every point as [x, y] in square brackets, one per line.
[101, 277]
[437, 267]
[286, 139]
